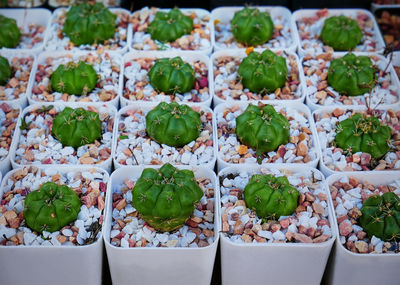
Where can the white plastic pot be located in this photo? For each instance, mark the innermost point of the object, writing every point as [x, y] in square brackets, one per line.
[149, 265]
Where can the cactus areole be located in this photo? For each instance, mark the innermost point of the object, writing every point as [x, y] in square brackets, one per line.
[167, 197]
[365, 134]
[173, 124]
[171, 75]
[341, 33]
[76, 127]
[252, 27]
[167, 27]
[74, 78]
[262, 128]
[5, 70]
[89, 24]
[271, 197]
[51, 207]
[381, 216]
[9, 32]
[352, 75]
[263, 73]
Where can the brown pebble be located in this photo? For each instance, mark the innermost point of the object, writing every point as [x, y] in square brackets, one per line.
[302, 238]
[345, 228]
[318, 208]
[238, 228]
[361, 246]
[121, 204]
[302, 149]
[321, 238]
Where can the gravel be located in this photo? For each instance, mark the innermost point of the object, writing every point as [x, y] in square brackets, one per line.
[8, 120]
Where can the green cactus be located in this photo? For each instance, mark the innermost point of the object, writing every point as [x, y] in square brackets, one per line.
[5, 70]
[171, 75]
[381, 216]
[271, 197]
[352, 75]
[74, 78]
[263, 73]
[167, 27]
[9, 32]
[341, 33]
[173, 124]
[76, 127]
[166, 198]
[262, 128]
[89, 24]
[365, 134]
[51, 207]
[252, 27]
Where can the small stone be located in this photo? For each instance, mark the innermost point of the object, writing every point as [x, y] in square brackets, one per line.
[318, 208]
[321, 238]
[345, 228]
[338, 112]
[121, 204]
[86, 160]
[172, 243]
[302, 238]
[302, 149]
[238, 228]
[361, 246]
[365, 158]
[242, 149]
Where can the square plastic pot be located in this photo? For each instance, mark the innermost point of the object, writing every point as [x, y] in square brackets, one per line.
[346, 267]
[263, 262]
[150, 265]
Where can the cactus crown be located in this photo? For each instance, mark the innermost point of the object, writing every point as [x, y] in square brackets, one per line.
[263, 73]
[270, 196]
[76, 127]
[341, 33]
[362, 133]
[166, 198]
[5, 71]
[381, 216]
[9, 32]
[252, 27]
[171, 75]
[167, 27]
[51, 207]
[262, 128]
[74, 78]
[352, 75]
[173, 124]
[89, 23]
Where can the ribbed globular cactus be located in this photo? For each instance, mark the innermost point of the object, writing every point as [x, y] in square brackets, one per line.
[51, 207]
[263, 73]
[5, 70]
[341, 33]
[89, 24]
[252, 27]
[171, 75]
[173, 124]
[167, 27]
[262, 128]
[381, 216]
[270, 196]
[167, 197]
[365, 134]
[352, 75]
[74, 78]
[76, 127]
[9, 32]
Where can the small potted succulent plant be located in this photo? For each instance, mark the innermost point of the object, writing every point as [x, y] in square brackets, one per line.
[50, 212]
[161, 217]
[164, 29]
[260, 27]
[165, 133]
[252, 76]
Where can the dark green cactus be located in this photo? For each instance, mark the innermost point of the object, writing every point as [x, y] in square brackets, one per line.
[341, 33]
[167, 27]
[74, 78]
[9, 32]
[271, 197]
[89, 24]
[171, 75]
[252, 27]
[362, 133]
[381, 216]
[173, 124]
[166, 198]
[76, 127]
[262, 128]
[352, 75]
[5, 70]
[51, 207]
[263, 73]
